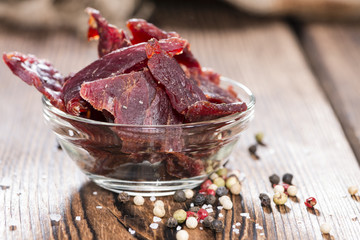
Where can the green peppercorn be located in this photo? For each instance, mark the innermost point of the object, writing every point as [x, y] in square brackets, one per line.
[207, 221]
[210, 199]
[231, 181]
[171, 222]
[180, 215]
[259, 138]
[179, 196]
[217, 225]
[123, 197]
[221, 191]
[222, 172]
[220, 182]
[199, 199]
[287, 178]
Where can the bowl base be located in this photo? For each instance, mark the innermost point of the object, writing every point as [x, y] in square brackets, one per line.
[146, 188]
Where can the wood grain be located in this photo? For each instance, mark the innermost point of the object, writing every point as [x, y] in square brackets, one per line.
[302, 132]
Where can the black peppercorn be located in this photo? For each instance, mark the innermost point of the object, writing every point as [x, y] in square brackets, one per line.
[179, 196]
[210, 199]
[252, 150]
[194, 209]
[287, 178]
[221, 191]
[265, 200]
[274, 179]
[123, 197]
[207, 221]
[199, 199]
[217, 225]
[171, 222]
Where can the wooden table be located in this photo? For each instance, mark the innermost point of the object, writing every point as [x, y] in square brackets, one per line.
[306, 78]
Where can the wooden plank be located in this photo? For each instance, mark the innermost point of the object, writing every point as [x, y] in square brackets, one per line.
[302, 132]
[334, 51]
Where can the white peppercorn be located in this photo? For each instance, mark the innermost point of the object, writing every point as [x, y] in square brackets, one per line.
[189, 193]
[292, 191]
[325, 228]
[182, 235]
[191, 222]
[159, 211]
[279, 188]
[139, 200]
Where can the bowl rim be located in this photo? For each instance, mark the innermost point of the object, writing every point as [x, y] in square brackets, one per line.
[227, 119]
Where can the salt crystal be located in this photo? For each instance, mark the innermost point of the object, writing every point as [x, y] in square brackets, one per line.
[131, 231]
[237, 224]
[154, 225]
[204, 206]
[236, 231]
[55, 217]
[220, 215]
[191, 204]
[220, 207]
[233, 226]
[77, 218]
[94, 193]
[178, 228]
[201, 228]
[156, 219]
[209, 210]
[244, 215]
[257, 226]
[201, 221]
[262, 234]
[99, 207]
[141, 102]
[152, 198]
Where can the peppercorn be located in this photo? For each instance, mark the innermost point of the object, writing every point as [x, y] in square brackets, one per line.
[235, 189]
[221, 191]
[325, 228]
[292, 191]
[159, 203]
[139, 200]
[182, 235]
[287, 178]
[259, 138]
[223, 198]
[210, 192]
[159, 211]
[202, 213]
[123, 197]
[171, 222]
[222, 172]
[231, 181]
[207, 221]
[310, 202]
[274, 179]
[189, 193]
[217, 225]
[252, 150]
[353, 190]
[213, 176]
[220, 182]
[285, 186]
[190, 214]
[280, 198]
[199, 199]
[191, 222]
[180, 215]
[206, 184]
[227, 204]
[210, 199]
[279, 188]
[265, 200]
[213, 187]
[179, 196]
[194, 209]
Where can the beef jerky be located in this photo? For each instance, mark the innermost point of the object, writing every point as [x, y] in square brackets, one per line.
[166, 70]
[182, 166]
[204, 110]
[214, 93]
[142, 31]
[39, 73]
[110, 37]
[115, 63]
[132, 98]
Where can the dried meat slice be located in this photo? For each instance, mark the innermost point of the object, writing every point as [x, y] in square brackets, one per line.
[110, 37]
[39, 73]
[117, 62]
[182, 91]
[204, 110]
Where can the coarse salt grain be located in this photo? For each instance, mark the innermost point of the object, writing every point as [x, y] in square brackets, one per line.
[233, 226]
[94, 193]
[77, 218]
[220, 207]
[262, 234]
[244, 214]
[209, 210]
[153, 198]
[238, 224]
[99, 207]
[124, 107]
[154, 225]
[191, 204]
[257, 226]
[220, 215]
[236, 231]
[55, 217]
[178, 228]
[201, 228]
[156, 219]
[131, 231]
[141, 102]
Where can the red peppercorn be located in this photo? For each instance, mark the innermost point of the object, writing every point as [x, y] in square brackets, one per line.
[206, 184]
[202, 213]
[191, 214]
[203, 191]
[211, 192]
[310, 202]
[286, 186]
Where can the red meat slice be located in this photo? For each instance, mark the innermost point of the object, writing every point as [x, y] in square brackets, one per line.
[115, 63]
[39, 73]
[204, 110]
[182, 91]
[110, 37]
[132, 98]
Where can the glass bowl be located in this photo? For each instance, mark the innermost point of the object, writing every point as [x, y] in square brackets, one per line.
[150, 160]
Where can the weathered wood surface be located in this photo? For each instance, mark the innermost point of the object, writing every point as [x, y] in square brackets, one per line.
[303, 134]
